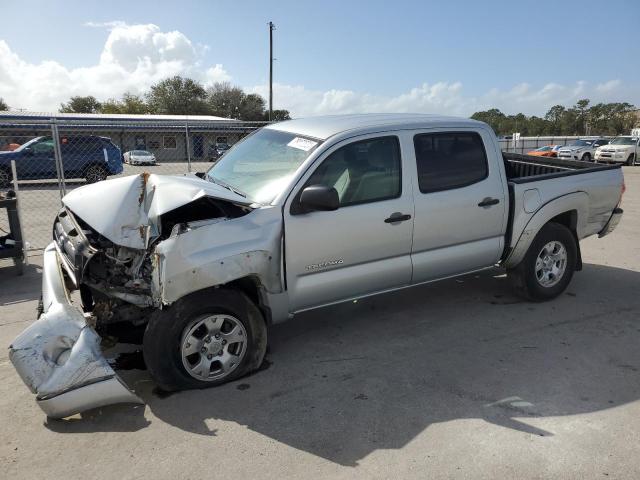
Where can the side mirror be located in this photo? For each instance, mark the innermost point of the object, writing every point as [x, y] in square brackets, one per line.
[28, 151]
[319, 197]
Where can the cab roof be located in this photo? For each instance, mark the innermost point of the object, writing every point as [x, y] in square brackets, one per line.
[327, 126]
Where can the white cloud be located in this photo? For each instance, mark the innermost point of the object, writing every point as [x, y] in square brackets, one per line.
[136, 56]
[609, 86]
[133, 58]
[113, 23]
[216, 74]
[445, 98]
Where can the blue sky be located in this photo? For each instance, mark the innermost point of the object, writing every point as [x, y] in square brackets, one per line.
[332, 56]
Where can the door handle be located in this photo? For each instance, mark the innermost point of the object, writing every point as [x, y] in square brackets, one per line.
[487, 202]
[397, 217]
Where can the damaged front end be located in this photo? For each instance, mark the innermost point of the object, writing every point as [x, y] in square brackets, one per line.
[105, 242]
[58, 357]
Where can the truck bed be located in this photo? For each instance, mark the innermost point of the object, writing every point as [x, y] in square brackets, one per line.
[527, 168]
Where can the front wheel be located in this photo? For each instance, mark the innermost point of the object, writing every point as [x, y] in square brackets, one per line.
[586, 157]
[95, 173]
[205, 339]
[631, 160]
[548, 265]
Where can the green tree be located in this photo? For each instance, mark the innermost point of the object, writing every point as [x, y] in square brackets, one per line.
[79, 104]
[278, 115]
[582, 115]
[494, 118]
[229, 101]
[3, 105]
[178, 96]
[252, 107]
[554, 117]
[623, 118]
[225, 100]
[129, 103]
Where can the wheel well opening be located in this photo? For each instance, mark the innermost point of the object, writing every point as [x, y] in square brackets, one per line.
[250, 286]
[570, 220]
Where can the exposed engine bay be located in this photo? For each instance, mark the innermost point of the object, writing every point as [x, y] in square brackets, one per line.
[116, 283]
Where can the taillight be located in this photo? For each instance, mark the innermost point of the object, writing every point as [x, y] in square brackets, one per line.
[622, 189]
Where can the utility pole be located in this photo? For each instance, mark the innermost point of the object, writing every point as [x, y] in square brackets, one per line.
[272, 27]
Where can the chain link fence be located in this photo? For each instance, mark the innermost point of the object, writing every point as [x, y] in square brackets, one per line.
[527, 144]
[53, 156]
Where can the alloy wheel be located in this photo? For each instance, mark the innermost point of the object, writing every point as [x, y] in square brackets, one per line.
[213, 346]
[551, 264]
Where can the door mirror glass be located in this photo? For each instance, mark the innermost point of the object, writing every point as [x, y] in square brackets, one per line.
[319, 197]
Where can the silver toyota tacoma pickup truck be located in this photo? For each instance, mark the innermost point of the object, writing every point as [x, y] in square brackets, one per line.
[299, 215]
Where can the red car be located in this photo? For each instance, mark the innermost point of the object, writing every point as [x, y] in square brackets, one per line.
[546, 151]
[9, 147]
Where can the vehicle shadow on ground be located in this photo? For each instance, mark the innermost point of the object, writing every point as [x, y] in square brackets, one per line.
[351, 379]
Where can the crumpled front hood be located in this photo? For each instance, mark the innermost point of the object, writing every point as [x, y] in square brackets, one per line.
[126, 210]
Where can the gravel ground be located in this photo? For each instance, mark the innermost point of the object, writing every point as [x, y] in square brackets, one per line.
[458, 379]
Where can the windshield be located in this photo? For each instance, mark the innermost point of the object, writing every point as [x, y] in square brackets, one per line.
[624, 141]
[543, 149]
[141, 153]
[262, 164]
[582, 143]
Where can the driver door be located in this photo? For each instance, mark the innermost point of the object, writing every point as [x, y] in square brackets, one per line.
[362, 247]
[38, 161]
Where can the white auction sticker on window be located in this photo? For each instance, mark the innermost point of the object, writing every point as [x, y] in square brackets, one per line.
[302, 144]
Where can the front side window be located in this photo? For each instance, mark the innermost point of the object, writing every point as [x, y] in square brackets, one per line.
[449, 160]
[43, 146]
[362, 172]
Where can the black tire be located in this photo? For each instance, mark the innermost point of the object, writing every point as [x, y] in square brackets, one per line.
[586, 157]
[5, 178]
[631, 161]
[95, 173]
[524, 276]
[164, 336]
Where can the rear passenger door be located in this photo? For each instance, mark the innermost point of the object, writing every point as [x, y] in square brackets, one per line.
[460, 203]
[365, 245]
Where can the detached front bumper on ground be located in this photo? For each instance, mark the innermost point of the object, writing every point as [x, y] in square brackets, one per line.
[58, 356]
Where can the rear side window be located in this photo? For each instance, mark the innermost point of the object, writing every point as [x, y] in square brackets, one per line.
[449, 160]
[362, 172]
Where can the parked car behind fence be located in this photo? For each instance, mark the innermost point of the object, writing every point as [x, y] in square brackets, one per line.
[139, 157]
[582, 149]
[83, 156]
[624, 149]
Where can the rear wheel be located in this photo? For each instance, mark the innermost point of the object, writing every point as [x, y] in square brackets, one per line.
[548, 265]
[95, 173]
[586, 157]
[5, 178]
[205, 339]
[631, 160]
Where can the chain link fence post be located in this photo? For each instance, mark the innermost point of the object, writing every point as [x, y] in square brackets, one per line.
[16, 189]
[188, 144]
[57, 151]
